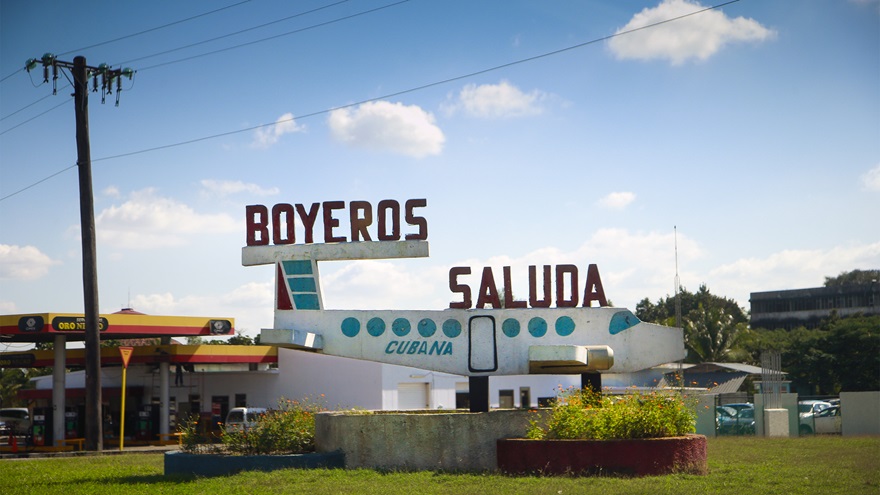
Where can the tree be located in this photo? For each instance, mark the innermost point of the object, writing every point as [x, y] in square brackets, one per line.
[711, 333]
[853, 277]
[240, 339]
[11, 381]
[712, 324]
[841, 355]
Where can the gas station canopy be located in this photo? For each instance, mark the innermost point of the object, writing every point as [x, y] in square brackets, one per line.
[127, 324]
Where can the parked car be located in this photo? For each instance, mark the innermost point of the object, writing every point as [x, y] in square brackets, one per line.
[737, 419]
[242, 418]
[825, 421]
[15, 420]
[807, 412]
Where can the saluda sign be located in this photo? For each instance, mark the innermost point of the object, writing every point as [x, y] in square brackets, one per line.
[484, 331]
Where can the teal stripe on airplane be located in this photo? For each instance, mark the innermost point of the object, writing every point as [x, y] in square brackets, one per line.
[621, 321]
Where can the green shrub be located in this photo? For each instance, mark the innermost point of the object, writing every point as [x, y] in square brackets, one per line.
[192, 441]
[289, 429]
[584, 414]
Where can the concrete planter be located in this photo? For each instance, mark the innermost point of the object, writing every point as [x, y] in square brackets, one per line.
[420, 440]
[641, 457]
[221, 465]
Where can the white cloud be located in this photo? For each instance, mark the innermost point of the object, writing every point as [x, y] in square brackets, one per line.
[695, 37]
[147, 220]
[386, 126]
[377, 285]
[112, 192]
[871, 179]
[617, 200]
[23, 262]
[792, 269]
[497, 101]
[224, 188]
[250, 305]
[269, 135]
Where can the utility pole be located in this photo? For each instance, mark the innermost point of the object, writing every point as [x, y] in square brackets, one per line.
[94, 438]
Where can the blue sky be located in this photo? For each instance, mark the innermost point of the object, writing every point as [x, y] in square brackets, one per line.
[754, 129]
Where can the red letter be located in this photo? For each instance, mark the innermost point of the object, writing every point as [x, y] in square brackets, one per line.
[255, 226]
[394, 206]
[330, 222]
[509, 301]
[533, 293]
[591, 295]
[561, 270]
[488, 290]
[287, 210]
[414, 220]
[308, 219]
[454, 286]
[359, 224]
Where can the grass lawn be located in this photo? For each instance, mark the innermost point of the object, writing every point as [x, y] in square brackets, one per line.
[736, 465]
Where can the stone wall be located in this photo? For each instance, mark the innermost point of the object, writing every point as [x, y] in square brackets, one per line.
[426, 440]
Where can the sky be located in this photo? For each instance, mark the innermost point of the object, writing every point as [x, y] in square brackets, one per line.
[738, 145]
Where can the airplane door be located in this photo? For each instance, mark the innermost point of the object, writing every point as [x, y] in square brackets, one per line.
[482, 354]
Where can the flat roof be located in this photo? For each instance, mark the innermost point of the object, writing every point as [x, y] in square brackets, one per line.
[149, 354]
[43, 327]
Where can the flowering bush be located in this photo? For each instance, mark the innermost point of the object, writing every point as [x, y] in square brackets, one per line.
[289, 429]
[584, 414]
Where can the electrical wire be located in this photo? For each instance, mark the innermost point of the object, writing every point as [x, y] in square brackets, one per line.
[156, 28]
[24, 108]
[139, 33]
[34, 117]
[216, 38]
[322, 24]
[383, 97]
[230, 34]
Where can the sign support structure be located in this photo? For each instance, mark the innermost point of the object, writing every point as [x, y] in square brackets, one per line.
[126, 355]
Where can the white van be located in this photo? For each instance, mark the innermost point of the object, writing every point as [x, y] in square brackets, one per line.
[242, 418]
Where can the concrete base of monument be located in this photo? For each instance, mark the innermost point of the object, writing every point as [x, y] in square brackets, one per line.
[181, 463]
[636, 457]
[421, 440]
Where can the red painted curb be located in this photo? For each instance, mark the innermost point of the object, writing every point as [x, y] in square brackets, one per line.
[636, 457]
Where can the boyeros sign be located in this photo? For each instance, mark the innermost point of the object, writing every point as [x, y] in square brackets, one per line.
[282, 220]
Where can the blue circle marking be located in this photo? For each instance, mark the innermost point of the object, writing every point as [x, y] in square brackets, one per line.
[427, 327]
[510, 327]
[376, 326]
[537, 327]
[452, 328]
[564, 326]
[400, 327]
[351, 326]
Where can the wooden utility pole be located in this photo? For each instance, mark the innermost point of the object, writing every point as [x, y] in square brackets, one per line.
[94, 435]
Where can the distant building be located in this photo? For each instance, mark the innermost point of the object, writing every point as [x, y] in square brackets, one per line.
[788, 309]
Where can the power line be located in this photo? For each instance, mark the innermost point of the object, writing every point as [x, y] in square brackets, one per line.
[217, 38]
[24, 108]
[156, 28]
[231, 34]
[140, 33]
[34, 117]
[333, 21]
[389, 95]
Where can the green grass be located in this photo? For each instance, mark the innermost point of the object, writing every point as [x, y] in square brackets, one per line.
[736, 465]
